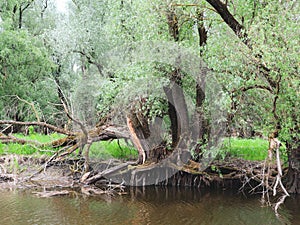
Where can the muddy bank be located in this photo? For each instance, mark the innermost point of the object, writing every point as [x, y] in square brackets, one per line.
[29, 172]
[23, 172]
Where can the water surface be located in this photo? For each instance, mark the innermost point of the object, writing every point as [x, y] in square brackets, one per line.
[144, 206]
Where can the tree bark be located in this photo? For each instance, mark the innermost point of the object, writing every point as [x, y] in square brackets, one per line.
[178, 113]
[293, 175]
[173, 116]
[199, 129]
[177, 110]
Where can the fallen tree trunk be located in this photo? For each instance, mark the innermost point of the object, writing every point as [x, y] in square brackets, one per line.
[105, 132]
[72, 141]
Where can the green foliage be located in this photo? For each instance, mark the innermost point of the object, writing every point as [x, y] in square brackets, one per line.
[24, 66]
[40, 137]
[23, 57]
[18, 149]
[72, 51]
[273, 32]
[31, 130]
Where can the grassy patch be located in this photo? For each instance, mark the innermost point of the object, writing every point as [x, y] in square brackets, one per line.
[17, 149]
[107, 150]
[100, 150]
[28, 149]
[249, 149]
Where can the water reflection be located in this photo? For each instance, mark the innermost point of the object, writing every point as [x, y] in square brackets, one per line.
[150, 205]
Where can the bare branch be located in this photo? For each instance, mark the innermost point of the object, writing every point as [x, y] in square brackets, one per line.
[83, 128]
[12, 139]
[237, 28]
[40, 124]
[32, 106]
[256, 86]
[91, 60]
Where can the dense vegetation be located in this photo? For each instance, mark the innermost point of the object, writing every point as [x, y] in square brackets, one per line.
[84, 66]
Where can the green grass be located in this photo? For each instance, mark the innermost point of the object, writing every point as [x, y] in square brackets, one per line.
[249, 149]
[40, 137]
[28, 149]
[17, 149]
[100, 150]
[108, 150]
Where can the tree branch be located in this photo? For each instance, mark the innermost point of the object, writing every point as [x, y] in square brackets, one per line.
[90, 60]
[41, 124]
[257, 86]
[32, 106]
[237, 28]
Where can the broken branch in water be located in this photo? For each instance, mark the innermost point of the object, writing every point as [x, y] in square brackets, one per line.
[47, 194]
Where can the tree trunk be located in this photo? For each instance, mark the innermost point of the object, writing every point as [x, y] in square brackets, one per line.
[200, 127]
[293, 175]
[177, 110]
[173, 116]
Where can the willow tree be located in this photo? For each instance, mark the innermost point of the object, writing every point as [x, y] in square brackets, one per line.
[252, 47]
[256, 48]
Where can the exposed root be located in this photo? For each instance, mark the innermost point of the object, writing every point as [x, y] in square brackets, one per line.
[269, 181]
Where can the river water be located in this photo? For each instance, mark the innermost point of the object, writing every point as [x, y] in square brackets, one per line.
[151, 205]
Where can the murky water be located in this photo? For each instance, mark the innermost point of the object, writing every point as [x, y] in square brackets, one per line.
[144, 206]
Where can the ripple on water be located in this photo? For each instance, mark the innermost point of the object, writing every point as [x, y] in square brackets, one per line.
[146, 206]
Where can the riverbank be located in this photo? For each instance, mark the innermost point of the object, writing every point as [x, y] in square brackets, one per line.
[30, 172]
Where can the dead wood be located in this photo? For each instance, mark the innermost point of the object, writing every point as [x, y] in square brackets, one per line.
[7, 177]
[47, 194]
[40, 124]
[6, 139]
[68, 144]
[136, 140]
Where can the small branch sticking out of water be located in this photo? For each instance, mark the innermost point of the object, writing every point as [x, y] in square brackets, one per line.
[279, 175]
[278, 181]
[281, 201]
